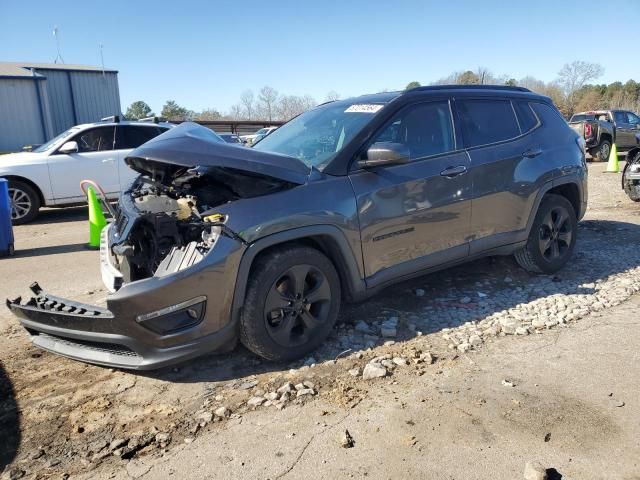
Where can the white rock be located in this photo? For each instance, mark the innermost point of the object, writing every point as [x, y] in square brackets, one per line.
[305, 391]
[475, 340]
[464, 347]
[400, 361]
[355, 372]
[256, 401]
[287, 387]
[534, 471]
[373, 370]
[222, 412]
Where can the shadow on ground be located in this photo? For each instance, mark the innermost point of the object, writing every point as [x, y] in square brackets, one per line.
[61, 215]
[9, 421]
[52, 250]
[442, 291]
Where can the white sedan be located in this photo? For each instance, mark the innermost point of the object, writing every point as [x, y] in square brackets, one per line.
[51, 174]
[259, 135]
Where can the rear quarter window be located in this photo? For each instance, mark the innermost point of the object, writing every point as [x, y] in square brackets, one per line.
[130, 136]
[549, 116]
[527, 119]
[486, 121]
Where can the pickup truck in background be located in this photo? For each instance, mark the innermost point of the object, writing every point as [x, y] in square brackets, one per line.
[601, 128]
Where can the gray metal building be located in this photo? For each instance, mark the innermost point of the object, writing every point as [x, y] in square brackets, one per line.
[40, 100]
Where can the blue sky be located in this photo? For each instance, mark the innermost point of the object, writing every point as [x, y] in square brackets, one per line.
[206, 53]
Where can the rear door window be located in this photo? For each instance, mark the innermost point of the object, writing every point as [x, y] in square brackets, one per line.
[486, 121]
[526, 118]
[131, 136]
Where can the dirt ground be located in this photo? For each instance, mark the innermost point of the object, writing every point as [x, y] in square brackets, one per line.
[573, 405]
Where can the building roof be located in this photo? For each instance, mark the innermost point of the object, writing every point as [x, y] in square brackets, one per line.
[23, 69]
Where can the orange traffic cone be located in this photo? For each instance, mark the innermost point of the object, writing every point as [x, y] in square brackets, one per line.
[96, 219]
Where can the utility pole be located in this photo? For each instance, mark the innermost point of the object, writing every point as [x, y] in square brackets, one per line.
[55, 35]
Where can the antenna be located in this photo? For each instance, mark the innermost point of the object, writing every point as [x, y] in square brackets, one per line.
[55, 35]
[102, 58]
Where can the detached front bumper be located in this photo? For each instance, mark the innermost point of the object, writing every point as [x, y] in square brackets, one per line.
[89, 334]
[147, 324]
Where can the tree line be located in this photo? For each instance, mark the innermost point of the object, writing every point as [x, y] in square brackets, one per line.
[573, 90]
[267, 105]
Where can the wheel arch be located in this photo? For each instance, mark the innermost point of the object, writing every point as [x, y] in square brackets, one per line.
[629, 159]
[31, 183]
[605, 136]
[568, 187]
[328, 239]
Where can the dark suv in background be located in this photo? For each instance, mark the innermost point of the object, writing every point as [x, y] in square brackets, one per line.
[214, 243]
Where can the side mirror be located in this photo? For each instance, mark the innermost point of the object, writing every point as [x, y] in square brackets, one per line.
[385, 153]
[69, 147]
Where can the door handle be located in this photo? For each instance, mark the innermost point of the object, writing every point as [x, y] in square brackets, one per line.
[108, 160]
[453, 171]
[532, 153]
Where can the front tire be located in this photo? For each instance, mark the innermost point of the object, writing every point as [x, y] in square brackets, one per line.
[552, 237]
[25, 202]
[292, 303]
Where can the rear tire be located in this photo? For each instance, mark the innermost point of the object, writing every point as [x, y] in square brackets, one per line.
[552, 237]
[25, 202]
[291, 305]
[602, 151]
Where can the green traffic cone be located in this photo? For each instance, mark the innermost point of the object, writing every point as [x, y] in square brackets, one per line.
[612, 165]
[96, 219]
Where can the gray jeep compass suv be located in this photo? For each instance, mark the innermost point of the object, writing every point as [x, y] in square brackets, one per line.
[215, 243]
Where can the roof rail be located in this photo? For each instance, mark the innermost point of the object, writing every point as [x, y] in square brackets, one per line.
[470, 87]
[112, 118]
[153, 119]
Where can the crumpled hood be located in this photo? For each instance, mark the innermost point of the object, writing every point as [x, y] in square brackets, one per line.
[190, 145]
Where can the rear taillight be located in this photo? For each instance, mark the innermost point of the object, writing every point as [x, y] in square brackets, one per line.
[588, 130]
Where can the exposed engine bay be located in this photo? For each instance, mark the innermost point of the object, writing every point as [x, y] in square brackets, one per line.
[169, 220]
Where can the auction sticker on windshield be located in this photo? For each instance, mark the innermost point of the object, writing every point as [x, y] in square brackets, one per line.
[364, 108]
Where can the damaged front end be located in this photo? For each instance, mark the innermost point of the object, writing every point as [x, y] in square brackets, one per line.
[169, 258]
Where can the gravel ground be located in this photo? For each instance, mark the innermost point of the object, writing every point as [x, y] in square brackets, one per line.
[63, 417]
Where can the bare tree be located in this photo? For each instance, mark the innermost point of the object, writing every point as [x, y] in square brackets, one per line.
[248, 100]
[289, 106]
[575, 75]
[267, 101]
[235, 112]
[332, 96]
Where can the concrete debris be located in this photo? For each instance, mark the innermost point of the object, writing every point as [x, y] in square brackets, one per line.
[373, 370]
[256, 401]
[346, 440]
[534, 471]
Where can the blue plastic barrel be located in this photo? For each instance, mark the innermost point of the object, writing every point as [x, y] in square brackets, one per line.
[6, 232]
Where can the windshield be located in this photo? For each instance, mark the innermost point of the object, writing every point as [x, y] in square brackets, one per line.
[51, 143]
[318, 135]
[261, 131]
